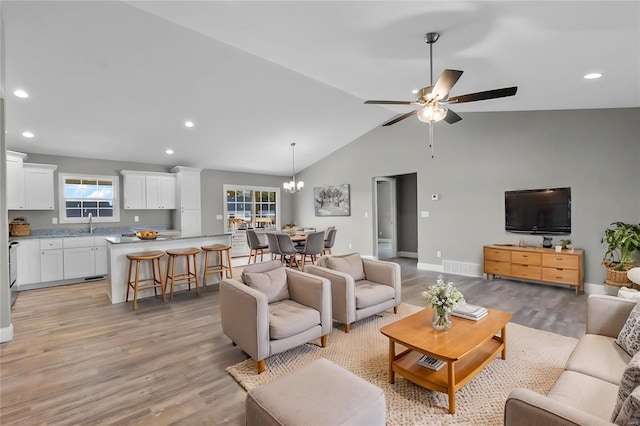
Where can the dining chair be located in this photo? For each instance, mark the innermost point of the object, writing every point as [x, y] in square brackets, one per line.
[329, 241]
[287, 248]
[274, 247]
[313, 247]
[255, 246]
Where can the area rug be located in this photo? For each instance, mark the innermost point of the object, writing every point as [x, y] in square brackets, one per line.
[535, 360]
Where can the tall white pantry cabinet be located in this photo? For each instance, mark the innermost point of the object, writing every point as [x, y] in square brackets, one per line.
[188, 216]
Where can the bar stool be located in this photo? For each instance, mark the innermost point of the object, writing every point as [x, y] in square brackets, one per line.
[220, 267]
[190, 255]
[156, 280]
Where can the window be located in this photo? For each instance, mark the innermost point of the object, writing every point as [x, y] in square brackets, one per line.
[81, 195]
[250, 206]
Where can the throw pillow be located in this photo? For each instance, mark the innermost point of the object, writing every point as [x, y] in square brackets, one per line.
[629, 337]
[630, 381]
[272, 283]
[630, 412]
[350, 264]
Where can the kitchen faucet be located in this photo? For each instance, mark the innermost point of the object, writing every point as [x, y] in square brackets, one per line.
[91, 227]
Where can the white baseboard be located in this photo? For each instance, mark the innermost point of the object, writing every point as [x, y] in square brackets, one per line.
[384, 240]
[592, 288]
[6, 333]
[410, 254]
[430, 267]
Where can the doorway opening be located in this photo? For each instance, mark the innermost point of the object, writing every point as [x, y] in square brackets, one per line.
[395, 225]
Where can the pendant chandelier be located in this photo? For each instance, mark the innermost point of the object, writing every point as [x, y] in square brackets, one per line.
[292, 186]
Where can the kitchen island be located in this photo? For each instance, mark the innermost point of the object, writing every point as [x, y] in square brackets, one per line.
[120, 246]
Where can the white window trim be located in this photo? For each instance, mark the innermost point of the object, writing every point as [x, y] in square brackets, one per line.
[62, 213]
[229, 187]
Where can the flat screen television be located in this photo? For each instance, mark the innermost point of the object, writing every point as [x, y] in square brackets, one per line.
[538, 211]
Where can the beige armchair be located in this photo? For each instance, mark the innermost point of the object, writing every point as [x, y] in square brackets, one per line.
[359, 287]
[271, 309]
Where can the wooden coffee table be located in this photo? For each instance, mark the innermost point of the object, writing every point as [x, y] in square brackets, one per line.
[467, 347]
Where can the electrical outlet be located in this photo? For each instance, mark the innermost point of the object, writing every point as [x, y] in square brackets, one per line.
[366, 215]
[424, 214]
[439, 253]
[349, 246]
[136, 218]
[54, 220]
[218, 217]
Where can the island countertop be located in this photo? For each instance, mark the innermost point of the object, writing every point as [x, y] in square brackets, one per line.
[162, 236]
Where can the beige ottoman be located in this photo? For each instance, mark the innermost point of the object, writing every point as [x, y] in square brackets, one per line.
[320, 393]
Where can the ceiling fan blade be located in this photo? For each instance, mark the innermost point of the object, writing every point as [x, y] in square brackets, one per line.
[392, 102]
[481, 96]
[400, 117]
[445, 82]
[452, 117]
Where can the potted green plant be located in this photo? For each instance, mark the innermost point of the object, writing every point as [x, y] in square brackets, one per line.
[565, 243]
[622, 240]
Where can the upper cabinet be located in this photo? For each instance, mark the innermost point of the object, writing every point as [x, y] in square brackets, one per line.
[29, 186]
[148, 190]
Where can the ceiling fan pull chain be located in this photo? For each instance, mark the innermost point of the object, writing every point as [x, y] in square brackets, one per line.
[431, 139]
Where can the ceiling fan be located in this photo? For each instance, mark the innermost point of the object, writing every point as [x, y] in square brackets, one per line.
[433, 100]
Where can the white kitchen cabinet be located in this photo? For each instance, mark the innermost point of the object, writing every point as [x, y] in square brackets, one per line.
[161, 191]
[149, 190]
[135, 190]
[188, 216]
[101, 260]
[38, 186]
[29, 186]
[51, 259]
[15, 181]
[28, 262]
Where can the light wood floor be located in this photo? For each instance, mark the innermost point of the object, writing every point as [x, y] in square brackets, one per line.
[78, 359]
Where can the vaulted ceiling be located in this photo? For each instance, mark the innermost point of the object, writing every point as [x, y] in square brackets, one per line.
[117, 80]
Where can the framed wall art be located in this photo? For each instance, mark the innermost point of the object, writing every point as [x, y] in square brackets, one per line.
[332, 200]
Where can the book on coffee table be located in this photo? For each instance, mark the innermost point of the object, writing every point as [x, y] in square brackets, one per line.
[431, 363]
[472, 312]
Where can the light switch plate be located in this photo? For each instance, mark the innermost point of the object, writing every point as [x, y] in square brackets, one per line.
[424, 214]
[218, 217]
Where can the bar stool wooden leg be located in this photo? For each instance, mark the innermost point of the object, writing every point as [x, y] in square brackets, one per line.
[230, 270]
[135, 288]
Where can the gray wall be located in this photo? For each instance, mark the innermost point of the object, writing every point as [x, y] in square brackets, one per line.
[595, 152]
[211, 182]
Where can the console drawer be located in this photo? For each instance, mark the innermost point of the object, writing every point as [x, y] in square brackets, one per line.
[496, 254]
[497, 268]
[562, 276]
[560, 261]
[526, 258]
[530, 272]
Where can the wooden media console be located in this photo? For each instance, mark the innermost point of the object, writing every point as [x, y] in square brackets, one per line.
[535, 264]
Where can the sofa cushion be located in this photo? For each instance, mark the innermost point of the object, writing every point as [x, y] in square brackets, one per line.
[369, 293]
[630, 380]
[272, 283]
[288, 318]
[350, 264]
[586, 393]
[630, 411]
[629, 337]
[600, 357]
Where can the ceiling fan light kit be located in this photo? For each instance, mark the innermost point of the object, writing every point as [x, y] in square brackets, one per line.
[433, 98]
[292, 186]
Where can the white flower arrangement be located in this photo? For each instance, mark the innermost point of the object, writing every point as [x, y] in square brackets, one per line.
[443, 297]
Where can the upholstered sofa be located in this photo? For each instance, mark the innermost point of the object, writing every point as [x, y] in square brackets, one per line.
[271, 309]
[359, 287]
[587, 391]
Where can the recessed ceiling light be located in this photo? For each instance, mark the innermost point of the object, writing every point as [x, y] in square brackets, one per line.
[169, 151]
[27, 134]
[188, 123]
[21, 93]
[593, 75]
